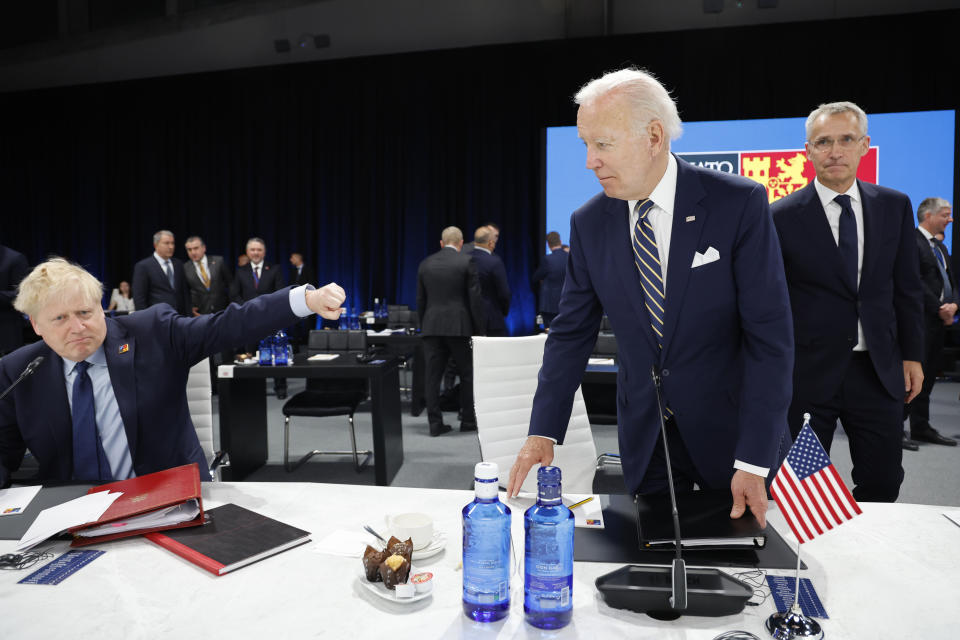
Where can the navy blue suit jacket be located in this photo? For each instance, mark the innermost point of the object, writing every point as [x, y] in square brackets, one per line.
[550, 275]
[728, 344]
[149, 354]
[150, 286]
[825, 307]
[494, 290]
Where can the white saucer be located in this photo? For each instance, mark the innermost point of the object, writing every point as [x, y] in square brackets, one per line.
[380, 590]
[437, 544]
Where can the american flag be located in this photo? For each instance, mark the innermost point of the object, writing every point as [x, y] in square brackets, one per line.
[809, 491]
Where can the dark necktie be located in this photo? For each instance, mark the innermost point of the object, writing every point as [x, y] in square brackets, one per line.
[942, 263]
[647, 258]
[848, 239]
[89, 459]
[169, 271]
[256, 277]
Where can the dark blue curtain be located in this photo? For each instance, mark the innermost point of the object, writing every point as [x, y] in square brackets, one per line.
[359, 164]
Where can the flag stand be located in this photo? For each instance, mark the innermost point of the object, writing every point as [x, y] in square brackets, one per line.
[791, 624]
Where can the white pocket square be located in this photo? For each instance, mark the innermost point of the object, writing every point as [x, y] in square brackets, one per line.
[708, 256]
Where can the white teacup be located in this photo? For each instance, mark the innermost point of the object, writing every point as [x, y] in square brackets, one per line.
[417, 526]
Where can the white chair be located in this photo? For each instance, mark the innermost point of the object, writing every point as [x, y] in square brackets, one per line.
[504, 381]
[200, 402]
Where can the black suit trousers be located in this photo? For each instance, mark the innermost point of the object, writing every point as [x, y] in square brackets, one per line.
[873, 422]
[919, 410]
[436, 351]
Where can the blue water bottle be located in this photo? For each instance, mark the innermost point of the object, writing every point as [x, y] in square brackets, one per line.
[548, 555]
[266, 352]
[281, 349]
[486, 549]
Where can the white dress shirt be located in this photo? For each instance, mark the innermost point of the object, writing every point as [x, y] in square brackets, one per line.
[660, 215]
[833, 210]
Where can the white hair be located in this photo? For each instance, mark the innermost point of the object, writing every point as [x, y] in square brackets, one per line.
[931, 205]
[832, 108]
[648, 98]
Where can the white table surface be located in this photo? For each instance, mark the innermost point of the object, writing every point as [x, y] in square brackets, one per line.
[893, 572]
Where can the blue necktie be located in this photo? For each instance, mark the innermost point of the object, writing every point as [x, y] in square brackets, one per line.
[848, 239]
[947, 289]
[647, 258]
[89, 459]
[169, 270]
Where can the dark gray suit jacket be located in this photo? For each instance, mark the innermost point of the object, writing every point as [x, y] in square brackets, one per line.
[218, 296]
[448, 295]
[150, 286]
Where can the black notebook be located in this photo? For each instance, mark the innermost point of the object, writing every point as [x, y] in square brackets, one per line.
[704, 522]
[232, 537]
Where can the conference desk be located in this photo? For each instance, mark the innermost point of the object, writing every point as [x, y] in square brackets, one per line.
[889, 573]
[243, 411]
[410, 347]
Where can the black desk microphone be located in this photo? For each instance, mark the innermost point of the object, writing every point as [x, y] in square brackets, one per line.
[26, 373]
[667, 593]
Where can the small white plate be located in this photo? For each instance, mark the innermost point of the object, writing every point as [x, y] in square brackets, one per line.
[380, 590]
[436, 545]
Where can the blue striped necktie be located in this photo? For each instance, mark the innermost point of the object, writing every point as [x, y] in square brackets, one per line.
[647, 259]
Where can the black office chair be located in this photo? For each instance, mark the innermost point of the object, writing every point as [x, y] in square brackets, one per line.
[402, 319]
[606, 346]
[327, 398]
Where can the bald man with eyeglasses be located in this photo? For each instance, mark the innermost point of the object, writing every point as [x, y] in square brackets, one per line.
[850, 258]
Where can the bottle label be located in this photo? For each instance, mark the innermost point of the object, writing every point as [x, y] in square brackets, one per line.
[550, 592]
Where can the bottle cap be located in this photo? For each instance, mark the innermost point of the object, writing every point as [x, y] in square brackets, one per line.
[548, 475]
[486, 471]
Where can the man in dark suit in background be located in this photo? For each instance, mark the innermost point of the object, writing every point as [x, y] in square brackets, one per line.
[159, 278]
[13, 269]
[850, 255]
[301, 274]
[549, 277]
[207, 277]
[258, 278]
[108, 401]
[939, 310]
[448, 300]
[494, 288]
[686, 264]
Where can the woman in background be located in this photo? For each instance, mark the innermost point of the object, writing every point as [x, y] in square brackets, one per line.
[120, 299]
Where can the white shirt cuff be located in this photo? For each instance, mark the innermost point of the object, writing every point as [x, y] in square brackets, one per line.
[298, 300]
[553, 440]
[750, 468]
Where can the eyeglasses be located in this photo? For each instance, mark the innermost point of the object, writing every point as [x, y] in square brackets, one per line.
[826, 144]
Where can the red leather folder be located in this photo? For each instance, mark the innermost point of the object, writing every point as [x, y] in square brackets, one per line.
[142, 495]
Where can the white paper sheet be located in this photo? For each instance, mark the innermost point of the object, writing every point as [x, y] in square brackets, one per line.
[79, 511]
[15, 500]
[176, 514]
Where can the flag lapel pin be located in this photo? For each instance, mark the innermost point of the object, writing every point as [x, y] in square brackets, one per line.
[123, 348]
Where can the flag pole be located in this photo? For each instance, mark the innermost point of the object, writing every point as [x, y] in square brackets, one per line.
[792, 623]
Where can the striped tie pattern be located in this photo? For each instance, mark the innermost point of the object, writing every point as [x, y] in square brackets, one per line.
[647, 259]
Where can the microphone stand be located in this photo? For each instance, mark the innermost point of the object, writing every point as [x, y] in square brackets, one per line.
[699, 592]
[678, 587]
[30, 368]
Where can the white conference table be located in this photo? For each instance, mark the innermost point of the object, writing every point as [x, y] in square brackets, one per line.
[893, 572]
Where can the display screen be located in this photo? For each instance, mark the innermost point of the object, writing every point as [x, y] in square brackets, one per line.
[910, 152]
